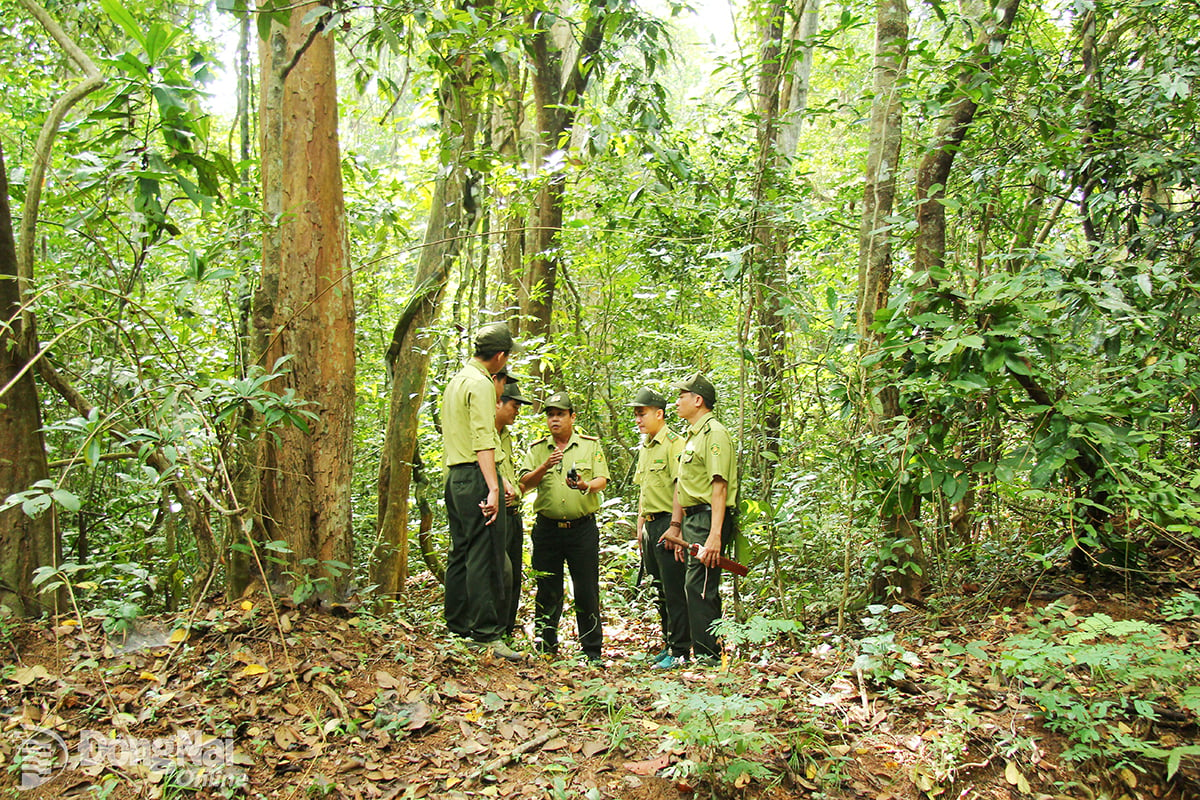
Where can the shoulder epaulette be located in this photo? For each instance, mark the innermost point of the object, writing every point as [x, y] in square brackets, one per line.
[589, 438]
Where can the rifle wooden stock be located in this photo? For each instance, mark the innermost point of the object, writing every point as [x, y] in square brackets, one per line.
[724, 563]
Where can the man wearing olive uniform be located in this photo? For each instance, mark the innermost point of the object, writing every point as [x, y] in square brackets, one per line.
[476, 592]
[507, 409]
[705, 502]
[569, 471]
[657, 467]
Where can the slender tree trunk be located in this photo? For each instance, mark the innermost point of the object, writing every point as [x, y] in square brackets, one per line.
[304, 306]
[26, 543]
[242, 460]
[452, 215]
[557, 100]
[904, 557]
[785, 68]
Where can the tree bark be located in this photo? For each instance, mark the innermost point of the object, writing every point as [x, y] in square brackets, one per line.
[902, 560]
[303, 307]
[26, 543]
[557, 99]
[451, 218]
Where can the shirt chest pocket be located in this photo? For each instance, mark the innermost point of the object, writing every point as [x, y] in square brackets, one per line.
[686, 456]
[657, 467]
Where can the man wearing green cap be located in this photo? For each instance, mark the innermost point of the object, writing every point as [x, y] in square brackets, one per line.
[569, 471]
[476, 592]
[507, 408]
[657, 467]
[705, 500]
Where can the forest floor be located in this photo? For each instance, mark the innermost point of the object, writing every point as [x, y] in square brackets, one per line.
[261, 699]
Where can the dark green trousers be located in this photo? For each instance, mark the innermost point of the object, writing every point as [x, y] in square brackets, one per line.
[667, 576]
[702, 584]
[476, 589]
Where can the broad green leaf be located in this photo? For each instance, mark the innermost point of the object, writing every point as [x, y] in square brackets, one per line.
[119, 14]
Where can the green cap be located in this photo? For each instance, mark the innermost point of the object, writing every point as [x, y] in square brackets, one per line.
[512, 391]
[700, 385]
[560, 400]
[494, 338]
[649, 398]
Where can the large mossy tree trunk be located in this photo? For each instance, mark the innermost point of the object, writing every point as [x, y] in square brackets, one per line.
[304, 305]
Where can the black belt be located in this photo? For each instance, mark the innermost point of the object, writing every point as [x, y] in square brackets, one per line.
[465, 464]
[565, 523]
[652, 517]
[696, 509]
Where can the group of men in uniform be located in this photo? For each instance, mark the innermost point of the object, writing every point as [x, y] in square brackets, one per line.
[688, 492]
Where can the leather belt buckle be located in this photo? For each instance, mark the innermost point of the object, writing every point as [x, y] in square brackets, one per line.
[565, 523]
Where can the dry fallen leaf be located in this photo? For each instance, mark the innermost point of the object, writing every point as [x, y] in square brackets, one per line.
[592, 748]
[648, 767]
[252, 669]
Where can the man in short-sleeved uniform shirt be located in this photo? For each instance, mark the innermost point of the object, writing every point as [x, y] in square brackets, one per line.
[657, 466]
[564, 530]
[704, 508]
[476, 593]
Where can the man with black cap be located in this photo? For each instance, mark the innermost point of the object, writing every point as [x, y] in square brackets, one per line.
[507, 408]
[705, 502]
[476, 591]
[569, 471]
[657, 467]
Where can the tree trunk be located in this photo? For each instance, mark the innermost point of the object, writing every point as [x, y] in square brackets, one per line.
[902, 560]
[26, 543]
[557, 100]
[451, 217]
[304, 306]
[780, 103]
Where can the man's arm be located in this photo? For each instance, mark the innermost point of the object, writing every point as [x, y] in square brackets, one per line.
[675, 527]
[491, 504]
[534, 478]
[712, 545]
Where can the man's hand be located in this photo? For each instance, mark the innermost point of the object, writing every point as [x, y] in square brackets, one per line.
[555, 458]
[490, 506]
[710, 550]
[510, 494]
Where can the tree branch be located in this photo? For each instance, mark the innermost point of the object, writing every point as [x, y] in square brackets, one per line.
[92, 81]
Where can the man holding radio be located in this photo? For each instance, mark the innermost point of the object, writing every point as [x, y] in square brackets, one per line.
[569, 471]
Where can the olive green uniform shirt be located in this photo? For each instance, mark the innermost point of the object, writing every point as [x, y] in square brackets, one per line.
[554, 498]
[707, 453]
[506, 465]
[469, 415]
[657, 468]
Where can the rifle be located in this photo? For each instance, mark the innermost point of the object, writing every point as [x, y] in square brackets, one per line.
[724, 563]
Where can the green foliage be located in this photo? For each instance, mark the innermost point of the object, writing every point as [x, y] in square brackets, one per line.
[1100, 682]
[1184, 605]
[717, 732]
[880, 655]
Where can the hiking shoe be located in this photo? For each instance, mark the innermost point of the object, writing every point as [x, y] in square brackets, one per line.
[669, 662]
[708, 661]
[504, 651]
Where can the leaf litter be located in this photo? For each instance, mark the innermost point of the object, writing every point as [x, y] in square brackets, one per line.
[364, 708]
